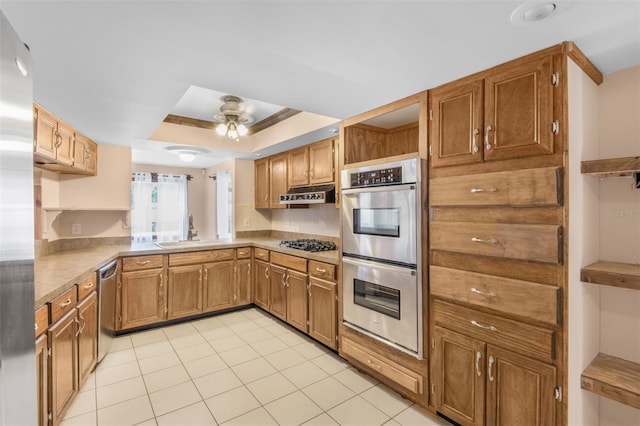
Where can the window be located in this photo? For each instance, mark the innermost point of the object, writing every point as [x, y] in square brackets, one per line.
[158, 208]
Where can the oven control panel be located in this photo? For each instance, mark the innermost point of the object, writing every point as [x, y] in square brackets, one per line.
[388, 176]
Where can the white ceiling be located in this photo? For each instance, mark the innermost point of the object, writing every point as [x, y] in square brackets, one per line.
[115, 69]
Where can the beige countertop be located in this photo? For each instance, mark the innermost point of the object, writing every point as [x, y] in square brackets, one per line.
[58, 272]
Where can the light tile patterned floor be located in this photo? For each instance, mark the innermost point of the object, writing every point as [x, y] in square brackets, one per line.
[239, 368]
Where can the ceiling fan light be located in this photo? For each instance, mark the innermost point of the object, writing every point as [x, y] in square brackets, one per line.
[242, 130]
[221, 129]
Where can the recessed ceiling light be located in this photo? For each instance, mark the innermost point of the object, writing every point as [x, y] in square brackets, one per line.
[187, 153]
[533, 11]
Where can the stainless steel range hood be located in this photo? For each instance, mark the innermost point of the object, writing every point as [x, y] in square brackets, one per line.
[319, 194]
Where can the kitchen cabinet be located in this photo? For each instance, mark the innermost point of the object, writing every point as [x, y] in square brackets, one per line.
[312, 164]
[323, 311]
[297, 309]
[479, 384]
[87, 312]
[184, 291]
[85, 155]
[261, 293]
[262, 184]
[63, 365]
[288, 289]
[278, 291]
[507, 113]
[141, 291]
[242, 282]
[54, 139]
[218, 286]
[278, 179]
[42, 373]
[299, 166]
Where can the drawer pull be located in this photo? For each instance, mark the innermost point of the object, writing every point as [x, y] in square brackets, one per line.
[142, 262]
[243, 253]
[490, 367]
[489, 189]
[88, 286]
[480, 240]
[322, 271]
[485, 327]
[372, 364]
[483, 293]
[65, 303]
[478, 356]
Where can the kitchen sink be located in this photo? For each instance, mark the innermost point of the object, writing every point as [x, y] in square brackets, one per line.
[186, 243]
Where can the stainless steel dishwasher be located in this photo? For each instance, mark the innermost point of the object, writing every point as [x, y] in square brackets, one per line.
[107, 277]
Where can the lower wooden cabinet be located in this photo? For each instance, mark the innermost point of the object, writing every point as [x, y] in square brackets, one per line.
[243, 282]
[142, 298]
[278, 292]
[323, 312]
[184, 291]
[297, 310]
[218, 285]
[42, 377]
[477, 383]
[261, 285]
[87, 336]
[63, 365]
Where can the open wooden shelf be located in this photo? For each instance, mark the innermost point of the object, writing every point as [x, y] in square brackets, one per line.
[624, 166]
[614, 378]
[616, 274]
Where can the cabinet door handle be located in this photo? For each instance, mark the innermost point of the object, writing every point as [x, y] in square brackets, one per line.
[309, 289]
[322, 271]
[160, 280]
[65, 303]
[206, 274]
[476, 132]
[283, 280]
[58, 141]
[88, 286]
[491, 360]
[311, 172]
[78, 330]
[249, 269]
[489, 189]
[142, 262]
[478, 356]
[266, 197]
[266, 272]
[200, 275]
[487, 145]
[36, 326]
[485, 327]
[483, 293]
[480, 240]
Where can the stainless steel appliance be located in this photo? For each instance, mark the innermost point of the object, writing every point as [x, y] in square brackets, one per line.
[107, 277]
[319, 194]
[381, 270]
[17, 347]
[380, 207]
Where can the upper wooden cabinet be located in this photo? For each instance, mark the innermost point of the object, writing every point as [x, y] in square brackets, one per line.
[299, 166]
[278, 180]
[506, 114]
[262, 184]
[312, 164]
[59, 148]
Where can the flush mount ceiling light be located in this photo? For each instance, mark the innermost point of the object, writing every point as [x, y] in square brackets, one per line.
[187, 153]
[533, 11]
[232, 118]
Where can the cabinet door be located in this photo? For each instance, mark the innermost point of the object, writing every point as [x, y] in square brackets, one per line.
[218, 285]
[92, 158]
[261, 170]
[87, 337]
[297, 309]
[142, 296]
[458, 372]
[63, 365]
[45, 133]
[242, 294]
[321, 168]
[456, 124]
[184, 291]
[261, 293]
[299, 166]
[278, 183]
[42, 373]
[66, 143]
[323, 311]
[518, 112]
[278, 292]
[80, 152]
[520, 390]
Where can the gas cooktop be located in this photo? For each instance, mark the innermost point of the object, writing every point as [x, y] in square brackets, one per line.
[308, 245]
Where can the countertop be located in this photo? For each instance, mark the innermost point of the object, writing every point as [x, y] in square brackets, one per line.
[58, 272]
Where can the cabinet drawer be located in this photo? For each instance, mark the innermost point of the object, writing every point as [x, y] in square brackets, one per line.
[389, 369]
[526, 339]
[516, 297]
[540, 243]
[243, 253]
[291, 262]
[262, 254]
[533, 187]
[42, 319]
[87, 285]
[62, 304]
[141, 262]
[322, 270]
[207, 256]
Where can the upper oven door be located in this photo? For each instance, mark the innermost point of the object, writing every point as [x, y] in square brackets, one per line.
[380, 223]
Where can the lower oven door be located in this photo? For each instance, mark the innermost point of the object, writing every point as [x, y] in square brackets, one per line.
[383, 301]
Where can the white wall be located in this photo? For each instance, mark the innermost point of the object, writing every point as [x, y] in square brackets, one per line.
[319, 219]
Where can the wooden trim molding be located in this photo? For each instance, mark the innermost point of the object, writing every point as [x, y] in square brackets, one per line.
[583, 62]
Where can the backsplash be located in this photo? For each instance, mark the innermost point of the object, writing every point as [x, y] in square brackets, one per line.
[319, 219]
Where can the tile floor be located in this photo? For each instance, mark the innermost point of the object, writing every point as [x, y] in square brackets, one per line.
[239, 368]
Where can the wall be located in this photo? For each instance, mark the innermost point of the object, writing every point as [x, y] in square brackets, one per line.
[619, 228]
[195, 190]
[319, 219]
[246, 217]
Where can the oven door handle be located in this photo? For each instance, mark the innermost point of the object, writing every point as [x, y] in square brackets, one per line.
[382, 188]
[379, 266]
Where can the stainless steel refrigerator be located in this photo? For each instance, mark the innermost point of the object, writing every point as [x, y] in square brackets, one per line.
[17, 353]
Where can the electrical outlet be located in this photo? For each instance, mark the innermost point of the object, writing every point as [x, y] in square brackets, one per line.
[76, 229]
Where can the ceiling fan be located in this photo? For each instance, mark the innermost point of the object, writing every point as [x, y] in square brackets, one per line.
[232, 118]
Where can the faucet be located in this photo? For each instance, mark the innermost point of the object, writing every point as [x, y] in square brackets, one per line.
[191, 233]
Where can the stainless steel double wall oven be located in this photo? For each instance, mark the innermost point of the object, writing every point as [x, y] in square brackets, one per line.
[381, 270]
